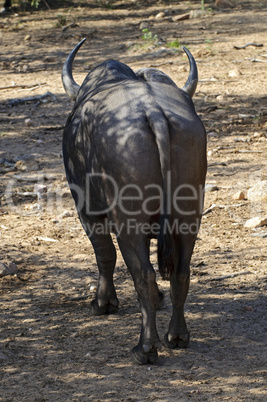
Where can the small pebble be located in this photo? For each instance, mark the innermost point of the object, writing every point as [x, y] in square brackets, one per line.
[239, 195]
[28, 122]
[160, 15]
[211, 187]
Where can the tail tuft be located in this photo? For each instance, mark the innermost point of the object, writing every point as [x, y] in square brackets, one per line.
[165, 259]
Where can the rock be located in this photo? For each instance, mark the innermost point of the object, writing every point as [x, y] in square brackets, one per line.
[93, 288]
[12, 269]
[160, 15]
[220, 98]
[202, 53]
[239, 195]
[258, 192]
[27, 37]
[181, 17]
[28, 122]
[234, 73]
[260, 234]
[256, 222]
[65, 214]
[3, 269]
[258, 135]
[196, 13]
[144, 25]
[211, 187]
[21, 165]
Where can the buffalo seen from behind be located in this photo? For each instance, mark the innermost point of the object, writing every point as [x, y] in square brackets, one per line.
[135, 157]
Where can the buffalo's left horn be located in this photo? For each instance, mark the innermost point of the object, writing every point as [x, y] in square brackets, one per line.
[192, 80]
[70, 86]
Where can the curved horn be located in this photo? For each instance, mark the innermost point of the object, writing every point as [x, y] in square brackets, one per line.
[192, 80]
[69, 84]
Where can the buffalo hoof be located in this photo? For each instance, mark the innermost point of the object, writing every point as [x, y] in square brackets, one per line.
[175, 342]
[108, 308]
[147, 353]
[141, 357]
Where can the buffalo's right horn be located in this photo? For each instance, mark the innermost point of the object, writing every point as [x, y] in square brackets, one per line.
[70, 86]
[192, 80]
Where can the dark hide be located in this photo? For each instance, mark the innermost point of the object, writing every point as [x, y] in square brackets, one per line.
[141, 132]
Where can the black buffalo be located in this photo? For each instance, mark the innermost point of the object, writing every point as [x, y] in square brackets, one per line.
[135, 158]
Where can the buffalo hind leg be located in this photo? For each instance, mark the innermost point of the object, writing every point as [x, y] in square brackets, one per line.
[106, 301]
[178, 335]
[136, 257]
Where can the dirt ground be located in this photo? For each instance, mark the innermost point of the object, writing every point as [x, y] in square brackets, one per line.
[51, 347]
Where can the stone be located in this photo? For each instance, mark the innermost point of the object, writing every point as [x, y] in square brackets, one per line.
[93, 288]
[196, 13]
[65, 214]
[12, 269]
[28, 122]
[21, 165]
[234, 73]
[258, 192]
[211, 187]
[144, 25]
[256, 222]
[181, 17]
[239, 195]
[160, 15]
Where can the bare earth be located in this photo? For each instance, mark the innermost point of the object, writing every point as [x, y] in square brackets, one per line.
[51, 347]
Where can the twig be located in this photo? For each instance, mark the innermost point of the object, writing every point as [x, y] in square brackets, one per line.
[161, 64]
[34, 179]
[248, 44]
[79, 298]
[71, 25]
[15, 102]
[220, 278]
[47, 5]
[213, 206]
[253, 59]
[247, 151]
[33, 88]
[30, 87]
[48, 239]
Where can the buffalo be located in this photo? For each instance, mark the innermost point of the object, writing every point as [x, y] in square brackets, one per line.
[134, 152]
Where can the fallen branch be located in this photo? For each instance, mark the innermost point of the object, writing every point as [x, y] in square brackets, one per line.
[47, 5]
[47, 239]
[253, 59]
[15, 102]
[213, 206]
[221, 278]
[247, 151]
[248, 44]
[71, 25]
[77, 298]
[34, 179]
[161, 64]
[29, 87]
